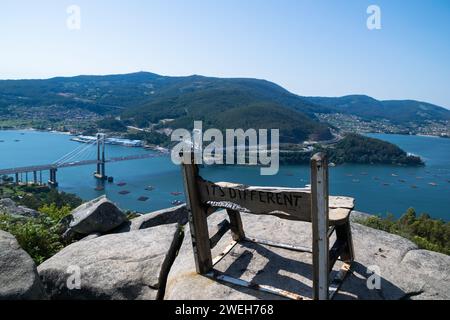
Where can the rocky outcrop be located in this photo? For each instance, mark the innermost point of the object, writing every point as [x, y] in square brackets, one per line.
[8, 206]
[97, 216]
[177, 214]
[131, 265]
[19, 279]
[405, 271]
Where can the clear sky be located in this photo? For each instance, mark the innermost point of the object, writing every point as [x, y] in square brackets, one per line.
[310, 47]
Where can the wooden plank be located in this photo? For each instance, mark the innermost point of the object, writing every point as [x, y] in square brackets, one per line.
[237, 229]
[260, 287]
[338, 215]
[338, 280]
[222, 228]
[197, 219]
[341, 202]
[319, 214]
[293, 204]
[228, 248]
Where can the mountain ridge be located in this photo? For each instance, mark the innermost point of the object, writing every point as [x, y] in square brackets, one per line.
[142, 98]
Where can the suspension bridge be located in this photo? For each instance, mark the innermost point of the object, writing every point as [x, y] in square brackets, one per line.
[77, 157]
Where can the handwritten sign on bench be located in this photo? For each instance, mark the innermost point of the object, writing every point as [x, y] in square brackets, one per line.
[289, 203]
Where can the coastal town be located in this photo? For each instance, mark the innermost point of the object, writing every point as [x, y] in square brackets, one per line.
[355, 124]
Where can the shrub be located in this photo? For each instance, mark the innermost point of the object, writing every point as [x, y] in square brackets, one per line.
[427, 233]
[37, 236]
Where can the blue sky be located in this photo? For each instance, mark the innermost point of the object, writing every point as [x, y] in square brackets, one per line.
[310, 47]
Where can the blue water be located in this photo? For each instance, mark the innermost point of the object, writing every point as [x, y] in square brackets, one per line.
[377, 189]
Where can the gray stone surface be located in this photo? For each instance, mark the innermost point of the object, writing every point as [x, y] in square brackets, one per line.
[405, 271]
[177, 214]
[18, 276]
[132, 265]
[99, 215]
[8, 206]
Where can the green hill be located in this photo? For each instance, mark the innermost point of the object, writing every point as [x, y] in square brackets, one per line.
[146, 98]
[397, 111]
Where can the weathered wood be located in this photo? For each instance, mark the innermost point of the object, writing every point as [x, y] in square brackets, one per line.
[294, 204]
[319, 217]
[237, 230]
[198, 222]
[344, 234]
[305, 204]
[221, 229]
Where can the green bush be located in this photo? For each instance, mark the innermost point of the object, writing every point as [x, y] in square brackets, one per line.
[40, 237]
[427, 233]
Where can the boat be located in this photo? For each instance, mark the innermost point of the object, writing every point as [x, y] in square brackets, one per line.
[434, 184]
[143, 198]
[121, 184]
[124, 192]
[401, 180]
[177, 202]
[150, 188]
[176, 193]
[394, 175]
[99, 188]
[414, 186]
[332, 164]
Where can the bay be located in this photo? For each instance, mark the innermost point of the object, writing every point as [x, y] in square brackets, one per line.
[378, 189]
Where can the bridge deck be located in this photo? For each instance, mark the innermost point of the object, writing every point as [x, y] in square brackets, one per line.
[74, 164]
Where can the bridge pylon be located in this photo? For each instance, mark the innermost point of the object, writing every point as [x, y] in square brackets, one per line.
[52, 180]
[100, 172]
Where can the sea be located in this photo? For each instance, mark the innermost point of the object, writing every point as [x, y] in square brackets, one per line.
[155, 183]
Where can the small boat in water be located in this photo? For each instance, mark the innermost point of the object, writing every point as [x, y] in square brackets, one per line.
[414, 186]
[150, 188]
[143, 198]
[124, 192]
[121, 184]
[401, 180]
[176, 193]
[177, 202]
[99, 188]
[434, 184]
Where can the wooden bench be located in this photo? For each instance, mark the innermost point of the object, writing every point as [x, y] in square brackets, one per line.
[327, 214]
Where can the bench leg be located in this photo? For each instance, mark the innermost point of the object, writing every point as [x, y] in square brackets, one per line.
[344, 235]
[237, 230]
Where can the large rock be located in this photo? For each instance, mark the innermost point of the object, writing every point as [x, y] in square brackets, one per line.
[132, 265]
[99, 215]
[177, 214]
[18, 276]
[405, 271]
[8, 206]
